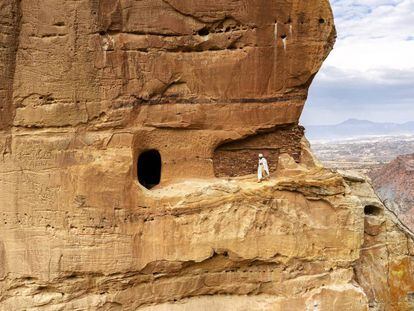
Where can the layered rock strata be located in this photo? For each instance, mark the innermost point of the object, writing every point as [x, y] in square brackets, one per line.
[394, 183]
[302, 241]
[90, 85]
[9, 40]
[183, 77]
[385, 268]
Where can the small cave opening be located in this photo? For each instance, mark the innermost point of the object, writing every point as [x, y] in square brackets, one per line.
[203, 32]
[149, 168]
[372, 210]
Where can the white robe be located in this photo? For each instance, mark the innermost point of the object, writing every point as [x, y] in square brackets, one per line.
[262, 167]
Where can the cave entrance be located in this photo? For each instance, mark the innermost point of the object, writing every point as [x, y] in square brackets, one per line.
[372, 210]
[149, 168]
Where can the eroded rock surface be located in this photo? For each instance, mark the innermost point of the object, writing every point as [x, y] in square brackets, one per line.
[289, 243]
[394, 183]
[88, 85]
[385, 268]
[297, 242]
[182, 77]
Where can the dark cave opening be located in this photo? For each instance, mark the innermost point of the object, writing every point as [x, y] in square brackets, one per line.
[203, 32]
[149, 168]
[372, 210]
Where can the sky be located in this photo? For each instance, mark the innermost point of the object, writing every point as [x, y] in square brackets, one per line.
[370, 73]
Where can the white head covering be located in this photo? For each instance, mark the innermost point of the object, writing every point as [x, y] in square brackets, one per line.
[260, 155]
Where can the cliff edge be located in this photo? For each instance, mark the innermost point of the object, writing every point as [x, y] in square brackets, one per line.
[128, 131]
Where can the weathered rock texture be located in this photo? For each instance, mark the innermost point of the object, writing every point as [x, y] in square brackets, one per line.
[89, 85]
[297, 242]
[180, 76]
[385, 268]
[9, 32]
[394, 183]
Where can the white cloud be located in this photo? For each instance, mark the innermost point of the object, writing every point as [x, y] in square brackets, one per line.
[373, 36]
[374, 54]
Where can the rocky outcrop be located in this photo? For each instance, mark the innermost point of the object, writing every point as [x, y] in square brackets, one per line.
[289, 243]
[183, 77]
[299, 241]
[386, 264]
[394, 183]
[91, 86]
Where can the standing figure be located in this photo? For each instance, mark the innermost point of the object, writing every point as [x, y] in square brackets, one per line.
[262, 168]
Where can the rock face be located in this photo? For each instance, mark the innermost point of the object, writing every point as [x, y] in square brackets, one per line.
[9, 32]
[182, 77]
[395, 185]
[99, 95]
[386, 263]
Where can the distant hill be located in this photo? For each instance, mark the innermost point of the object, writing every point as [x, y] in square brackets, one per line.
[357, 128]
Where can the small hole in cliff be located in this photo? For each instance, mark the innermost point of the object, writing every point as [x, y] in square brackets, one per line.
[102, 33]
[283, 36]
[372, 210]
[149, 168]
[321, 21]
[203, 32]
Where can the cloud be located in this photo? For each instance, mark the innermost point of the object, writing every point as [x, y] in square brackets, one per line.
[371, 69]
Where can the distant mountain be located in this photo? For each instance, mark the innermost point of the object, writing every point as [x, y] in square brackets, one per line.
[394, 183]
[357, 128]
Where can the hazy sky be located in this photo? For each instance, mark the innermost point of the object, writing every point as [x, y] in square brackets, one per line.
[370, 72]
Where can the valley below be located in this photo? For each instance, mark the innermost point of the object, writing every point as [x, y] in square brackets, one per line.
[387, 160]
[364, 154]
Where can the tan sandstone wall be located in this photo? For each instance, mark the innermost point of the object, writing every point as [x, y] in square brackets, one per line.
[90, 84]
[9, 31]
[179, 76]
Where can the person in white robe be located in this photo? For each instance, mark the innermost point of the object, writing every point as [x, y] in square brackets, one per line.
[262, 169]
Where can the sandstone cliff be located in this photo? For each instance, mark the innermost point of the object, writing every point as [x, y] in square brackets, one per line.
[394, 183]
[309, 239]
[182, 77]
[93, 93]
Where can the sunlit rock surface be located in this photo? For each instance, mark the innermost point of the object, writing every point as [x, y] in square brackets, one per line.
[87, 86]
[394, 183]
[182, 77]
